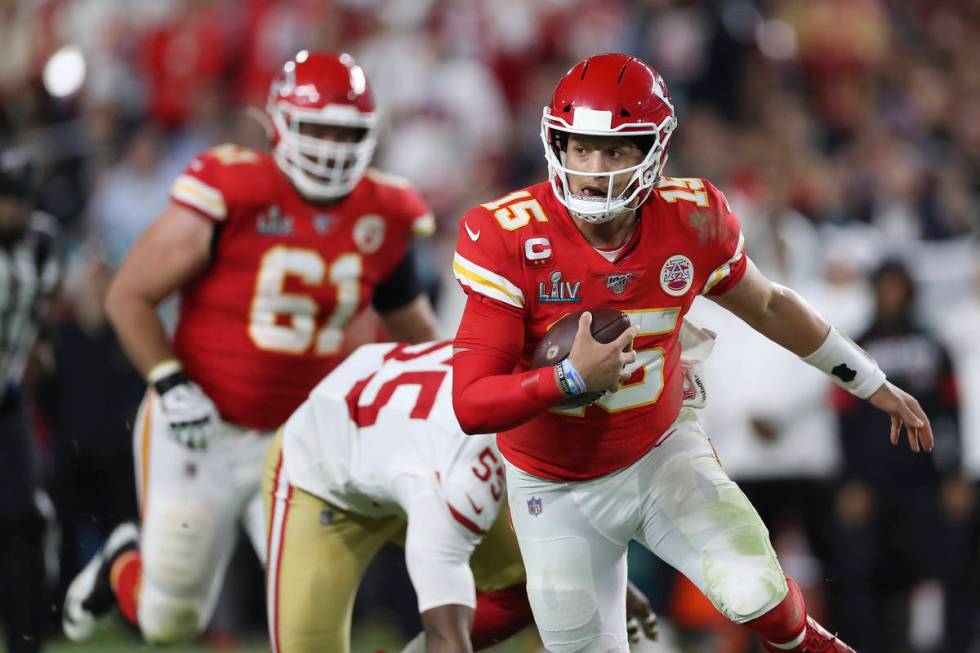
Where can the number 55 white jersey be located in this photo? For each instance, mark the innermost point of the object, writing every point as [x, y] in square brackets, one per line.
[384, 414]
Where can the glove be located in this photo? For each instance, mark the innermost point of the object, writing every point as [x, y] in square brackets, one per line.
[640, 617]
[696, 345]
[192, 415]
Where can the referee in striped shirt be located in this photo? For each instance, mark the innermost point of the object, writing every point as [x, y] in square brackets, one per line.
[30, 273]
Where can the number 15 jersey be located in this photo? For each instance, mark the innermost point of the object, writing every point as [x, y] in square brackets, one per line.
[524, 253]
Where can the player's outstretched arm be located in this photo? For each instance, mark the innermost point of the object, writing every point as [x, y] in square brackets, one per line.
[174, 250]
[903, 408]
[782, 316]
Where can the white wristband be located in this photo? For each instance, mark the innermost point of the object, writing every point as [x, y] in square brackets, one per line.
[162, 369]
[848, 365]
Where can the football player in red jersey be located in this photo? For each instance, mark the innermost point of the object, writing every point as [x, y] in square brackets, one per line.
[272, 256]
[607, 229]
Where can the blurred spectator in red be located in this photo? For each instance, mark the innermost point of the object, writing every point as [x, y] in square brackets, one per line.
[185, 58]
[274, 32]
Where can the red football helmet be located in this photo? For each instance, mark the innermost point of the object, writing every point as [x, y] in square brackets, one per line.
[329, 90]
[608, 95]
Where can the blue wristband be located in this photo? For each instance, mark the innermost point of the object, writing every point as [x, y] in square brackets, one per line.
[576, 384]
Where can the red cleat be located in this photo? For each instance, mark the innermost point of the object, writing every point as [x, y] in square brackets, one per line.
[816, 640]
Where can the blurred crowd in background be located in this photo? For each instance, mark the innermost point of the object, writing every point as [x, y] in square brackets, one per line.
[845, 133]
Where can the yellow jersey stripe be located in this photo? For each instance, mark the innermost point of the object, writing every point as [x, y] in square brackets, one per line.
[486, 286]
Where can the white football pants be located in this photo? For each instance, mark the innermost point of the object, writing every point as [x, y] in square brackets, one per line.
[676, 501]
[191, 504]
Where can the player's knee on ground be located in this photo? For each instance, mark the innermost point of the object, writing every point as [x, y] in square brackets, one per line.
[166, 619]
[176, 576]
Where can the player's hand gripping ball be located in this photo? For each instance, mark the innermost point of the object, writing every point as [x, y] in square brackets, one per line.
[556, 345]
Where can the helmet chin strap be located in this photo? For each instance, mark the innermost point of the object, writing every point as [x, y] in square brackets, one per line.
[597, 218]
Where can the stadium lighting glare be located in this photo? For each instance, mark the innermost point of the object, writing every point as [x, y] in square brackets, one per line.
[776, 39]
[64, 73]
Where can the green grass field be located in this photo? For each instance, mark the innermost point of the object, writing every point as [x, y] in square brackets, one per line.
[114, 637]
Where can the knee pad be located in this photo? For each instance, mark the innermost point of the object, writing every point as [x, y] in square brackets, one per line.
[742, 576]
[560, 587]
[176, 547]
[166, 620]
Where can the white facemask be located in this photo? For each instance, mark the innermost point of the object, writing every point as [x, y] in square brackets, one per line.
[642, 176]
[322, 169]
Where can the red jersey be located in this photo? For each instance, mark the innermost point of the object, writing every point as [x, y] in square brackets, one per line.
[525, 253]
[265, 322]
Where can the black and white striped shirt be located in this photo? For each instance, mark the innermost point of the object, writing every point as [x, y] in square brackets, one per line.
[30, 270]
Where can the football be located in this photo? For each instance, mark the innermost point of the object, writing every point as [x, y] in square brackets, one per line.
[607, 325]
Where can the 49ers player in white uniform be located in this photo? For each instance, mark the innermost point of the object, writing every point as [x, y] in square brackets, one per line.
[377, 439]
[607, 230]
[272, 256]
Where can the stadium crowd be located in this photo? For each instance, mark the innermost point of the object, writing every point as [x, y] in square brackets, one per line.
[844, 133]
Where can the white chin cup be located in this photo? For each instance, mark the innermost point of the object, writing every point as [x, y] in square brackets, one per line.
[319, 168]
[642, 176]
[324, 170]
[594, 209]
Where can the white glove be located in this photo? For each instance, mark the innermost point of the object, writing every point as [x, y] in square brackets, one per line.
[192, 415]
[696, 345]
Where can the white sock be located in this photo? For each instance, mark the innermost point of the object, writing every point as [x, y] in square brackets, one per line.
[788, 646]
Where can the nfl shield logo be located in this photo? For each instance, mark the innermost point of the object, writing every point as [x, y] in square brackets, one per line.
[534, 506]
[617, 282]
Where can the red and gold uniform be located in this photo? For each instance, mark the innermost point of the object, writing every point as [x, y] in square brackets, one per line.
[266, 322]
[523, 254]
[636, 464]
[257, 330]
[285, 250]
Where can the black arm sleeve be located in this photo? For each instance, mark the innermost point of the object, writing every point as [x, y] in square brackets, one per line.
[401, 287]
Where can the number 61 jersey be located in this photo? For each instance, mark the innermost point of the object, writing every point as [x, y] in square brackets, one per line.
[525, 254]
[265, 322]
[386, 412]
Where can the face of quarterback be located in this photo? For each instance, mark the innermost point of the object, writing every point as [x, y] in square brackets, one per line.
[600, 154]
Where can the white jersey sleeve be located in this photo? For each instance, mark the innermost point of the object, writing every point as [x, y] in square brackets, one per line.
[437, 547]
[472, 481]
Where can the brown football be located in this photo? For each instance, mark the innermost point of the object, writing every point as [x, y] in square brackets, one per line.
[607, 325]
